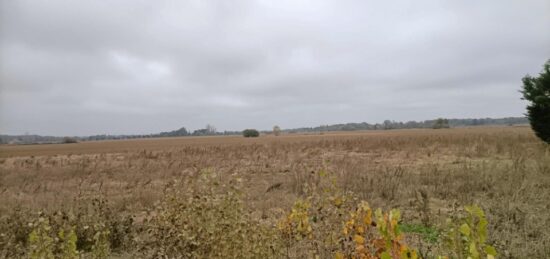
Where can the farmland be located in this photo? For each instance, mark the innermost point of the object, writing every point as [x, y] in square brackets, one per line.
[429, 175]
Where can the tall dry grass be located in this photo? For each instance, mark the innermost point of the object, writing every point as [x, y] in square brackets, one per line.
[428, 174]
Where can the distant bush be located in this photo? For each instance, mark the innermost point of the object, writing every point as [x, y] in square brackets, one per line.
[251, 133]
[68, 140]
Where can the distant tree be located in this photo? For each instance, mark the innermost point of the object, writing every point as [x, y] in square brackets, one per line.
[175, 133]
[388, 125]
[68, 140]
[441, 124]
[536, 90]
[251, 133]
[210, 129]
[200, 132]
[276, 130]
[181, 132]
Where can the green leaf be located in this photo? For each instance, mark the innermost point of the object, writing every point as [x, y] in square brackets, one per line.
[465, 230]
[490, 250]
[482, 230]
[473, 250]
[385, 255]
[478, 212]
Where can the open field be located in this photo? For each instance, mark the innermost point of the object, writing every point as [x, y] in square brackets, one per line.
[428, 174]
[157, 144]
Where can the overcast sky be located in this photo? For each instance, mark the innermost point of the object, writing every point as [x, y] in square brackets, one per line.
[124, 67]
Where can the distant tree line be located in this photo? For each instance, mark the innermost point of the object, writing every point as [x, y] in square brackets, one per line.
[427, 124]
[29, 139]
[210, 130]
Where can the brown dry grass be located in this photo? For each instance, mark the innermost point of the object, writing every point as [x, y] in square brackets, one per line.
[426, 173]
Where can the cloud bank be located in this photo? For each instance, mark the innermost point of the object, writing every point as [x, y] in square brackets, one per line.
[124, 67]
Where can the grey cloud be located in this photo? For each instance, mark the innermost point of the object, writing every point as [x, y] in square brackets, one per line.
[90, 67]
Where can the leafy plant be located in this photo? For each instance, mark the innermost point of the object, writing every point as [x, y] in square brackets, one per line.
[429, 234]
[467, 237]
[68, 244]
[41, 245]
[310, 226]
[101, 248]
[374, 239]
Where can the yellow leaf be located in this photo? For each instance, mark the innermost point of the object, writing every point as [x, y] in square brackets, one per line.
[338, 202]
[368, 218]
[359, 239]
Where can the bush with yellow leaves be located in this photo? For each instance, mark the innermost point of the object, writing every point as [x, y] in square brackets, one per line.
[327, 224]
[203, 218]
[312, 228]
[365, 238]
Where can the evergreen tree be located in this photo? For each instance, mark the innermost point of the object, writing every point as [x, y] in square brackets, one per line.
[536, 90]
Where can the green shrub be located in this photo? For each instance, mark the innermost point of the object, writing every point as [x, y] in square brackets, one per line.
[251, 133]
[41, 244]
[68, 244]
[49, 240]
[101, 247]
[466, 237]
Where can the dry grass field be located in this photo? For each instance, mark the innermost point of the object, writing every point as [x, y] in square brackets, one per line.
[128, 186]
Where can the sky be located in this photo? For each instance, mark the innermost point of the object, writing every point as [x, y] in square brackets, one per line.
[134, 67]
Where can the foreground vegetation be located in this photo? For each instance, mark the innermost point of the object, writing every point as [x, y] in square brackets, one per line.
[276, 198]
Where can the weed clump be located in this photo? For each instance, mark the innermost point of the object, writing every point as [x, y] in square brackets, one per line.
[202, 218]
